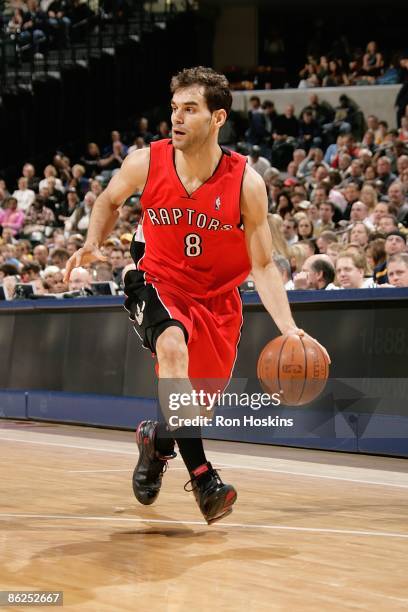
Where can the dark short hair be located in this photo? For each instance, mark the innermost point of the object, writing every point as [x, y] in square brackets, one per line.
[8, 269]
[216, 88]
[61, 253]
[322, 265]
[33, 266]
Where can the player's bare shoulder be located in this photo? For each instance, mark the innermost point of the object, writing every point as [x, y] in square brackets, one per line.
[254, 199]
[131, 177]
[136, 166]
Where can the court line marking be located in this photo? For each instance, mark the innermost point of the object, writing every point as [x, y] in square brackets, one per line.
[115, 470]
[116, 519]
[358, 480]
[240, 467]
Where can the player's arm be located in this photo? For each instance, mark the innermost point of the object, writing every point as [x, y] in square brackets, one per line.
[131, 177]
[268, 280]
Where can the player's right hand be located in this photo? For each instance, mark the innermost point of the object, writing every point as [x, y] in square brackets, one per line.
[86, 254]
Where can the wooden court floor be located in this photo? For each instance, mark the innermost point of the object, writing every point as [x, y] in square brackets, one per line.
[311, 531]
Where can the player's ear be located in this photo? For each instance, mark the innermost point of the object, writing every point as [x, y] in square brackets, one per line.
[220, 117]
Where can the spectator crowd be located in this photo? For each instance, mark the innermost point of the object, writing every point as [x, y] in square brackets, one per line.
[345, 66]
[337, 186]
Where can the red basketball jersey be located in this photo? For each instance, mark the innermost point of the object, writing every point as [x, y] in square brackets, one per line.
[194, 242]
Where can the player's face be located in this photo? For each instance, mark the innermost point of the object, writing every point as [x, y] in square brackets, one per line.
[397, 273]
[193, 125]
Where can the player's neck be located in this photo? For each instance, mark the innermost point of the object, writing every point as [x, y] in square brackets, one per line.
[200, 163]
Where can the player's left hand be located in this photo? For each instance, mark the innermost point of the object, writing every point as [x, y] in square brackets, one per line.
[296, 331]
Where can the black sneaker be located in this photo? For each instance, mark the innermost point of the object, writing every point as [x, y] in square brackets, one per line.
[148, 473]
[214, 498]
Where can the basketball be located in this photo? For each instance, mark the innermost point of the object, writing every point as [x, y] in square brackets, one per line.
[295, 367]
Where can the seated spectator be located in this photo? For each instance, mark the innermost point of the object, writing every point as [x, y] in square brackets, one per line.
[115, 137]
[289, 231]
[350, 270]
[317, 273]
[375, 255]
[74, 242]
[163, 131]
[353, 174]
[335, 75]
[384, 173]
[32, 30]
[284, 206]
[313, 159]
[297, 256]
[56, 283]
[270, 114]
[397, 201]
[10, 217]
[368, 141]
[116, 258]
[91, 160]
[58, 22]
[256, 132]
[59, 258]
[38, 221]
[6, 270]
[138, 143]
[398, 270]
[305, 228]
[79, 220]
[348, 117]
[30, 272]
[324, 240]
[28, 172]
[359, 234]
[95, 186]
[24, 196]
[286, 124]
[323, 112]
[359, 212]
[256, 161]
[284, 268]
[309, 131]
[380, 209]
[51, 172]
[325, 221]
[373, 61]
[40, 255]
[143, 131]
[368, 196]
[403, 130]
[387, 224]
[402, 164]
[80, 280]
[333, 251]
[351, 194]
[395, 243]
[103, 271]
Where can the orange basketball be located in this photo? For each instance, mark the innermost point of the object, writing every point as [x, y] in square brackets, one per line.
[295, 367]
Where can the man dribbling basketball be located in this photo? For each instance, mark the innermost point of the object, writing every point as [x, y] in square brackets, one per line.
[191, 254]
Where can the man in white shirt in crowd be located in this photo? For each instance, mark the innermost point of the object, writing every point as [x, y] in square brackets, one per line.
[289, 230]
[317, 273]
[24, 196]
[350, 269]
[255, 161]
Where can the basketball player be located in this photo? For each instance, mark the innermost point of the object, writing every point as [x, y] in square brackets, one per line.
[204, 229]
